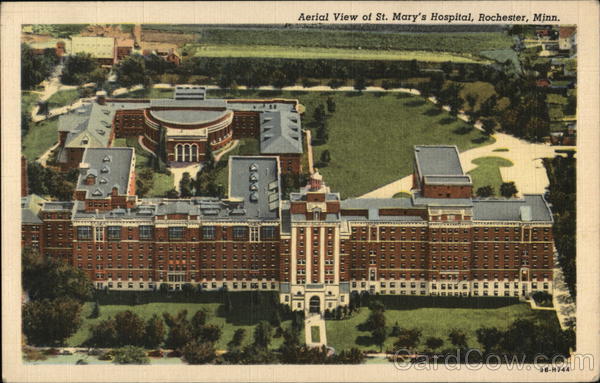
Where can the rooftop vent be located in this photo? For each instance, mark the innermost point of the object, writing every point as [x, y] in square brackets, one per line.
[254, 177]
[97, 193]
[254, 197]
[254, 167]
[105, 169]
[106, 159]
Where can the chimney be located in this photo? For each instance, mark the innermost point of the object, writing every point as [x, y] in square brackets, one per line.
[101, 97]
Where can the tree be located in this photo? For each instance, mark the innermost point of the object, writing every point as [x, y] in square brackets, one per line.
[199, 319]
[130, 355]
[331, 104]
[471, 101]
[485, 191]
[210, 333]
[78, 68]
[185, 185]
[488, 107]
[48, 278]
[195, 352]
[325, 157]
[408, 339]
[360, 84]
[35, 68]
[433, 343]
[237, 339]
[95, 311]
[488, 126]
[103, 334]
[180, 330]
[508, 189]
[319, 114]
[489, 337]
[50, 322]
[130, 328]
[379, 335]
[155, 332]
[131, 70]
[262, 334]
[458, 338]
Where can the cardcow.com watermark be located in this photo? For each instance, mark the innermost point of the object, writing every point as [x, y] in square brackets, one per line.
[474, 359]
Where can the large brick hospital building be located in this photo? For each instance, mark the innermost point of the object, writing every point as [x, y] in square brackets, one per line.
[314, 249]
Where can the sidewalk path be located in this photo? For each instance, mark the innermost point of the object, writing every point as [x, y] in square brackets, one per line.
[315, 320]
[177, 172]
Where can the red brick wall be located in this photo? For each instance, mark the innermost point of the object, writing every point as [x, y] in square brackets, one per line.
[447, 191]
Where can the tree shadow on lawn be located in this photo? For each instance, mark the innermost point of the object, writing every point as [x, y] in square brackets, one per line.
[399, 302]
[379, 94]
[269, 93]
[432, 112]
[402, 95]
[365, 340]
[415, 103]
[463, 130]
[479, 140]
[447, 120]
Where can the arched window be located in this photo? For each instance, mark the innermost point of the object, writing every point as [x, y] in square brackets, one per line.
[186, 156]
[194, 153]
[179, 153]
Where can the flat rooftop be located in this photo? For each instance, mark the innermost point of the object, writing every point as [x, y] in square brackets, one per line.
[110, 167]
[438, 160]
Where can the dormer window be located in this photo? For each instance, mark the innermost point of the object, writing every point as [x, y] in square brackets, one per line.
[106, 159]
[105, 169]
[97, 193]
[317, 214]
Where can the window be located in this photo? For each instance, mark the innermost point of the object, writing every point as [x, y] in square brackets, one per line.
[254, 234]
[99, 234]
[84, 233]
[240, 232]
[176, 233]
[114, 233]
[146, 232]
[268, 232]
[208, 232]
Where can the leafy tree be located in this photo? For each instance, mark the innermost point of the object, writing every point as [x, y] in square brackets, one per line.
[195, 352]
[458, 338]
[78, 68]
[47, 278]
[319, 113]
[434, 343]
[488, 107]
[210, 333]
[471, 101]
[95, 310]
[331, 106]
[36, 68]
[237, 339]
[180, 330]
[103, 334]
[199, 319]
[131, 70]
[379, 335]
[262, 334]
[360, 84]
[131, 329]
[489, 337]
[50, 322]
[488, 126]
[485, 191]
[155, 332]
[395, 330]
[352, 356]
[130, 355]
[408, 339]
[185, 185]
[508, 189]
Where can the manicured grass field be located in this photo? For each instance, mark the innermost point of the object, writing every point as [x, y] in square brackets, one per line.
[482, 90]
[487, 172]
[457, 42]
[62, 98]
[239, 318]
[40, 137]
[315, 334]
[272, 51]
[28, 101]
[500, 150]
[371, 135]
[432, 321]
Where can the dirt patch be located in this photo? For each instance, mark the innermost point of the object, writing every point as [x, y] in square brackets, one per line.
[179, 39]
[106, 31]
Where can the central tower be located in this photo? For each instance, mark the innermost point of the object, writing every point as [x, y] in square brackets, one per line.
[315, 249]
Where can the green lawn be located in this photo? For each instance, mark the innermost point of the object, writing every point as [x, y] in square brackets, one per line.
[242, 316]
[161, 182]
[272, 51]
[482, 90]
[487, 172]
[28, 101]
[432, 321]
[315, 334]
[500, 150]
[40, 137]
[372, 134]
[62, 98]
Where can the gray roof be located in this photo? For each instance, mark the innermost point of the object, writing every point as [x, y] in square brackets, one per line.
[445, 180]
[30, 208]
[170, 102]
[190, 92]
[381, 203]
[329, 217]
[438, 160]
[532, 207]
[58, 206]
[280, 132]
[260, 105]
[254, 179]
[188, 116]
[110, 166]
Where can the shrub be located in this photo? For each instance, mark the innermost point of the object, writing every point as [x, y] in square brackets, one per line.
[130, 355]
